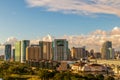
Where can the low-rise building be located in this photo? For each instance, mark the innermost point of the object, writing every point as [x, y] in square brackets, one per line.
[63, 66]
[93, 68]
[1, 57]
[77, 66]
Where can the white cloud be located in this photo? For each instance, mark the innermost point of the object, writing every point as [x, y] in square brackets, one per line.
[85, 7]
[48, 38]
[35, 41]
[2, 49]
[95, 39]
[11, 40]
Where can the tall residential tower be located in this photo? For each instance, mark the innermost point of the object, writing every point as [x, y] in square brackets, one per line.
[106, 49]
[33, 53]
[18, 51]
[24, 45]
[46, 49]
[60, 49]
[8, 52]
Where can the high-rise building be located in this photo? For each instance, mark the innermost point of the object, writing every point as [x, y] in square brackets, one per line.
[24, 45]
[18, 51]
[105, 50]
[46, 49]
[60, 49]
[8, 52]
[112, 53]
[33, 53]
[78, 53]
[13, 54]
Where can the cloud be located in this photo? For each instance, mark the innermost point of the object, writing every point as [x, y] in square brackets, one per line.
[35, 41]
[86, 7]
[48, 38]
[11, 40]
[2, 49]
[95, 39]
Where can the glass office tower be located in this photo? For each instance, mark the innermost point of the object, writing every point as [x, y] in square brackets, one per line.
[7, 52]
[18, 51]
[24, 45]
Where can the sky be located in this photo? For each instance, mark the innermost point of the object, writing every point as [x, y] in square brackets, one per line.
[33, 19]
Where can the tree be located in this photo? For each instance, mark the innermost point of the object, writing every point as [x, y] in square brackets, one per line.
[4, 70]
[44, 74]
[52, 74]
[90, 77]
[20, 69]
[74, 78]
[59, 76]
[67, 75]
[110, 78]
[100, 77]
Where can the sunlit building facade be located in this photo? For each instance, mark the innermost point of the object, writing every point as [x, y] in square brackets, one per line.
[112, 53]
[18, 51]
[46, 49]
[78, 53]
[33, 53]
[106, 49]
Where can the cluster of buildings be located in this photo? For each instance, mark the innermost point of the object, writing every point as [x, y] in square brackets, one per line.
[50, 54]
[58, 50]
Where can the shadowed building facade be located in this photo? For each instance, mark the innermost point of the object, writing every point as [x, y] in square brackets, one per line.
[24, 45]
[8, 52]
[60, 49]
[13, 54]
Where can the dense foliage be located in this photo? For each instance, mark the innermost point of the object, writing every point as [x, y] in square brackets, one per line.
[18, 71]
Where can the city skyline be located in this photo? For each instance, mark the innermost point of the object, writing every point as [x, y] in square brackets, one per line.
[76, 39]
[93, 40]
[81, 22]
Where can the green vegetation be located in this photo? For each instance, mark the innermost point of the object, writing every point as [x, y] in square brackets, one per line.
[18, 71]
[7, 69]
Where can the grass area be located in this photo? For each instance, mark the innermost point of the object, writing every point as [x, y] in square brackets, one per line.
[26, 77]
